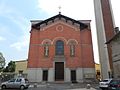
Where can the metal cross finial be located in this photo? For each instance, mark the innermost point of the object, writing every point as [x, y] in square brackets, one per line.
[59, 9]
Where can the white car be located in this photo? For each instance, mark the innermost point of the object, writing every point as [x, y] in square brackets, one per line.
[20, 83]
[104, 83]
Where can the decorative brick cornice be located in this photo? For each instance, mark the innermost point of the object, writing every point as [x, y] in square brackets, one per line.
[59, 17]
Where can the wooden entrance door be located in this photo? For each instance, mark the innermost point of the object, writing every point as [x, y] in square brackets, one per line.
[73, 75]
[59, 71]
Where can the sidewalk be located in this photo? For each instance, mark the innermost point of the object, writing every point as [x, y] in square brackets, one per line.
[82, 89]
[78, 86]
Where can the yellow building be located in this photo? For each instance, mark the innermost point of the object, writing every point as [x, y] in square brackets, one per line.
[21, 68]
[97, 69]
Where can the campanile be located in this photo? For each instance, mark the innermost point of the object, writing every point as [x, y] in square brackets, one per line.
[105, 31]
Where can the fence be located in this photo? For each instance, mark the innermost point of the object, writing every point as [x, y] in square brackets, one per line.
[8, 76]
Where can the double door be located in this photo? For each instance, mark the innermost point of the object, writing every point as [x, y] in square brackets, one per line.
[59, 71]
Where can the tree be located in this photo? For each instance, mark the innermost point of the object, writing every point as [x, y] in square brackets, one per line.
[10, 67]
[2, 61]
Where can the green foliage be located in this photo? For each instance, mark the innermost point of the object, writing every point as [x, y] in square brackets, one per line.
[2, 62]
[10, 67]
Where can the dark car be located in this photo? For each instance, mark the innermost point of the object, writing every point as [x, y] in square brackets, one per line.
[114, 85]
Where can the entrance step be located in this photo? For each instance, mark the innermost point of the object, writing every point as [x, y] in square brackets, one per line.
[59, 82]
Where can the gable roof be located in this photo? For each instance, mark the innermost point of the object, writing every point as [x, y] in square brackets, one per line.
[115, 36]
[37, 25]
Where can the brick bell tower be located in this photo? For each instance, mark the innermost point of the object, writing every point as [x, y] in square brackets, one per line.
[105, 31]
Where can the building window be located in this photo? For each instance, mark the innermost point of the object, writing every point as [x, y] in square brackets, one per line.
[72, 50]
[46, 50]
[20, 72]
[59, 47]
[72, 47]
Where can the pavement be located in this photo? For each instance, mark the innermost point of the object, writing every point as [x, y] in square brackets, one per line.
[66, 86]
[62, 86]
[82, 89]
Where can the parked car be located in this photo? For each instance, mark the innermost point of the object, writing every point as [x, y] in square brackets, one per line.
[104, 83]
[20, 83]
[114, 85]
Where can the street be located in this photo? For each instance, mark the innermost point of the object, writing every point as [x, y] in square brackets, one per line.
[78, 86]
[65, 86]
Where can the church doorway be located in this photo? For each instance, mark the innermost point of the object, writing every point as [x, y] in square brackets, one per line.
[59, 71]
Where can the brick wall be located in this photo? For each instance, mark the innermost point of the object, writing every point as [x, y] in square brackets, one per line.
[60, 31]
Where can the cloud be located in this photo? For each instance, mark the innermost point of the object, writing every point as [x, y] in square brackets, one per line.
[77, 9]
[21, 42]
[20, 45]
[4, 9]
[116, 9]
[2, 38]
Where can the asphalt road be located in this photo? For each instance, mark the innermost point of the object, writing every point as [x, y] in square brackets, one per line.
[61, 87]
[77, 86]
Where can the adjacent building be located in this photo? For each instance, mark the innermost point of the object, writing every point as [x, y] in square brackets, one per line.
[115, 45]
[60, 50]
[21, 68]
[98, 71]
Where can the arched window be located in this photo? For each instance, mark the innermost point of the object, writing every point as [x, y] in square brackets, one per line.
[72, 44]
[72, 50]
[46, 50]
[59, 47]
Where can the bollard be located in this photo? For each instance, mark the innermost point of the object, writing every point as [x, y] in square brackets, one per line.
[72, 85]
[47, 85]
[35, 85]
[88, 86]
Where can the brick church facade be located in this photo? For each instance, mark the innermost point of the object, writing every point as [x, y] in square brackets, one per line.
[60, 50]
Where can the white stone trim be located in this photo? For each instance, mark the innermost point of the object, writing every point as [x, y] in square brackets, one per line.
[46, 40]
[79, 75]
[59, 26]
[72, 40]
[60, 22]
[51, 75]
[59, 38]
[36, 74]
[67, 75]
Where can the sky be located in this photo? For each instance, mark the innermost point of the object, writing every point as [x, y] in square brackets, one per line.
[15, 26]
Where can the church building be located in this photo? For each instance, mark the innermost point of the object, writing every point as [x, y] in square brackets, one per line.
[60, 50]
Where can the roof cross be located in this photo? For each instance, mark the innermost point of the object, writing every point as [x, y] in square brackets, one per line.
[59, 9]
